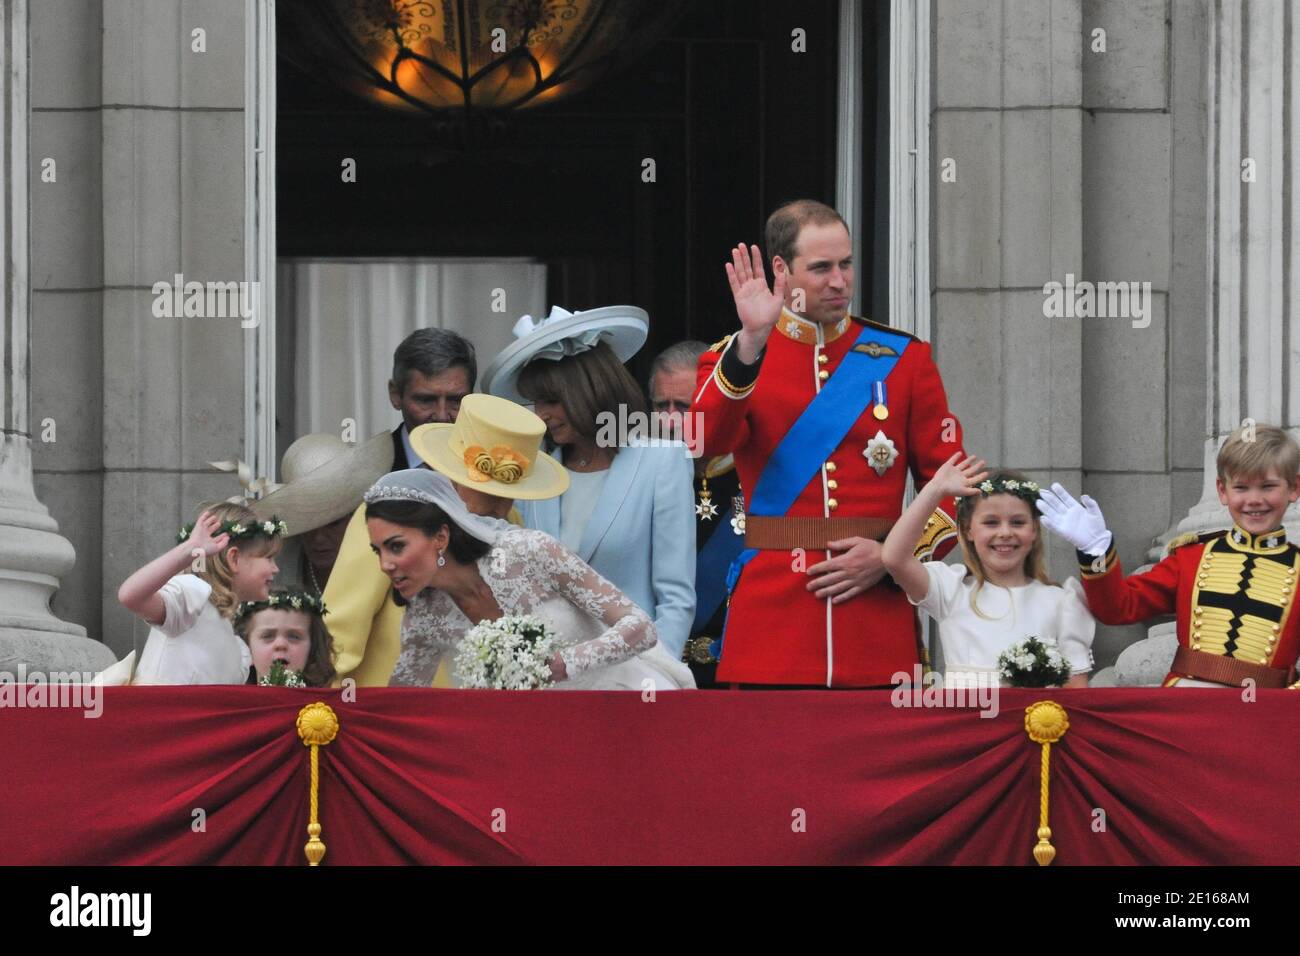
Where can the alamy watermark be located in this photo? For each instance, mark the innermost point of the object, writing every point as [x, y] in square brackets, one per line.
[927, 689]
[75, 908]
[624, 429]
[1098, 300]
[206, 300]
[68, 689]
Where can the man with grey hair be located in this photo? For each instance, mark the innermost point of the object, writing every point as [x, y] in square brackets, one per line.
[433, 369]
[719, 506]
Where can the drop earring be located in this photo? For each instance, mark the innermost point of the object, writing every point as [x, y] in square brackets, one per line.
[441, 560]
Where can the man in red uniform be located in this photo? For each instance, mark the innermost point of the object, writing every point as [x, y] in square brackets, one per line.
[826, 414]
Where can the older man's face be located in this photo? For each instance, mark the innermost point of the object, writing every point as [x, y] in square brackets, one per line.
[481, 503]
[430, 398]
[670, 397]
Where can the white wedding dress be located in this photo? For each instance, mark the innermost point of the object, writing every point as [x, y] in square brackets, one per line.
[608, 642]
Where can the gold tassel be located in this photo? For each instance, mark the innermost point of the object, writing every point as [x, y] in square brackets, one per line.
[317, 725]
[1046, 723]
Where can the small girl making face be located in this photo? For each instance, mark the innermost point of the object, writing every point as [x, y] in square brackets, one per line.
[287, 629]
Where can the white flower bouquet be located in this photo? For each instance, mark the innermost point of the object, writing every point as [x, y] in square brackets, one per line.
[510, 653]
[281, 676]
[1033, 663]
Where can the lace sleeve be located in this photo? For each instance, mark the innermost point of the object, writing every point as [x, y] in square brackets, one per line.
[423, 644]
[628, 629]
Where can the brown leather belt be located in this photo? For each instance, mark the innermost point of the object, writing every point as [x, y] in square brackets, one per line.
[784, 534]
[1227, 670]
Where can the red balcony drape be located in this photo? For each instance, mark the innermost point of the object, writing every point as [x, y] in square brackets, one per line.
[201, 775]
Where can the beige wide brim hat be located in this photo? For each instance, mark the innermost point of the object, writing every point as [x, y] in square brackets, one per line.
[561, 334]
[324, 480]
[494, 447]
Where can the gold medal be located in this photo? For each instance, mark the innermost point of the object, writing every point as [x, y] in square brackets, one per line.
[881, 412]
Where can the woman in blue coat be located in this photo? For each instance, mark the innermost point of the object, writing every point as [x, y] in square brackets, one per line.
[629, 509]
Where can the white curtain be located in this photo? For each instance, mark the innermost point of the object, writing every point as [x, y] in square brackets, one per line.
[342, 319]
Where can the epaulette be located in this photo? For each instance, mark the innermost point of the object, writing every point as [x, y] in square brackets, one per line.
[881, 325]
[1191, 537]
[721, 344]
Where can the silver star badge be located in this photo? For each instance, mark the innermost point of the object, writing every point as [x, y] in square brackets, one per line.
[706, 510]
[880, 453]
[738, 514]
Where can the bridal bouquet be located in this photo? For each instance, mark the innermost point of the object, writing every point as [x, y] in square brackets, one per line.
[1031, 663]
[510, 653]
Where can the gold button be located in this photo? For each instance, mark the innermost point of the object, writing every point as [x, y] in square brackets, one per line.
[1199, 610]
[1277, 628]
[1196, 647]
[1263, 660]
[830, 468]
[832, 503]
[823, 375]
[832, 484]
[823, 358]
[1196, 634]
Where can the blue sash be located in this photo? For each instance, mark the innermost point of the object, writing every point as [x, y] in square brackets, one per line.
[711, 566]
[819, 430]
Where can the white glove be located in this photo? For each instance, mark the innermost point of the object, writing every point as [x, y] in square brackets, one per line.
[1080, 524]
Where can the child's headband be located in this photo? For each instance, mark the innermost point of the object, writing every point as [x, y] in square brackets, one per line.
[283, 601]
[1025, 490]
[275, 528]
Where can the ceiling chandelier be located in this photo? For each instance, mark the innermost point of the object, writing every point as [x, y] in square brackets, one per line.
[489, 55]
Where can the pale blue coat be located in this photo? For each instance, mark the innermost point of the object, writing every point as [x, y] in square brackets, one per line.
[641, 535]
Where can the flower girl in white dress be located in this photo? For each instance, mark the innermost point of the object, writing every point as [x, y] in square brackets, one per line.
[1001, 594]
[455, 569]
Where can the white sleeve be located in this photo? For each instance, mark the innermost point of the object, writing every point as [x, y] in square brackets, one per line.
[1075, 627]
[184, 597]
[945, 588]
[628, 629]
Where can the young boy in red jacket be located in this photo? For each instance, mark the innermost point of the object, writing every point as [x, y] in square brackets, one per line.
[1233, 591]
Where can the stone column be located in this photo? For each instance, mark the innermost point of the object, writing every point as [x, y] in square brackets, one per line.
[1253, 147]
[1006, 194]
[33, 555]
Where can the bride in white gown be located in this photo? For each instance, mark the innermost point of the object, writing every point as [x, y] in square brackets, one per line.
[455, 569]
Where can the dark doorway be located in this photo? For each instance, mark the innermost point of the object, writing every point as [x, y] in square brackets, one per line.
[734, 119]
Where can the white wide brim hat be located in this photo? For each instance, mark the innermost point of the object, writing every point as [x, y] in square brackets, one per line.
[561, 334]
[326, 479]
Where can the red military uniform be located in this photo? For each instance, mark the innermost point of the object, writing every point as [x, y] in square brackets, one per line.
[1233, 593]
[777, 631]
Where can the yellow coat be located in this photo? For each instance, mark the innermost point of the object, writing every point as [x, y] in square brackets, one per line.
[362, 618]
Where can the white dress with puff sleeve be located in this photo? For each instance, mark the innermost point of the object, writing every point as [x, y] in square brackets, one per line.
[972, 642]
[194, 644]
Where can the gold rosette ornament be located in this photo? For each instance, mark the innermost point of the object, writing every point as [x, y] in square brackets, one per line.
[1046, 723]
[317, 725]
[502, 464]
